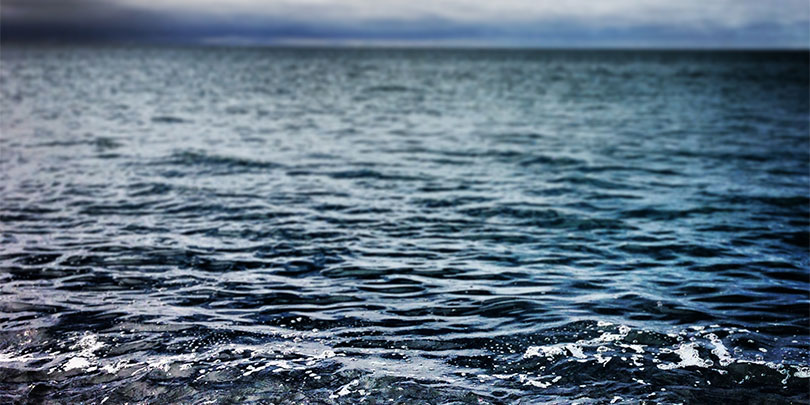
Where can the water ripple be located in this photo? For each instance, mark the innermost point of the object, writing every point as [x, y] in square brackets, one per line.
[374, 226]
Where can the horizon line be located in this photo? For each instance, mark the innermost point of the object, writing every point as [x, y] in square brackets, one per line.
[392, 45]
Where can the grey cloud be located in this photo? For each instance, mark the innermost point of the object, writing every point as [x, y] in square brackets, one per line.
[689, 23]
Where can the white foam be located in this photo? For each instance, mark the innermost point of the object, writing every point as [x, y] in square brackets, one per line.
[533, 382]
[689, 357]
[11, 358]
[720, 350]
[538, 384]
[85, 358]
[544, 351]
[636, 348]
[803, 372]
[76, 363]
[575, 351]
[345, 390]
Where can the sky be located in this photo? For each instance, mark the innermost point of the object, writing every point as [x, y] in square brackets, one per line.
[510, 23]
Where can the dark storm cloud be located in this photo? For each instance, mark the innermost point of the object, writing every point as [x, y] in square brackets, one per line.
[74, 19]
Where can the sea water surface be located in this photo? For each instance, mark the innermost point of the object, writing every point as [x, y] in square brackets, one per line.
[214, 225]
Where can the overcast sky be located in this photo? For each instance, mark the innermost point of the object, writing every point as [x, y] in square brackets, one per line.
[538, 23]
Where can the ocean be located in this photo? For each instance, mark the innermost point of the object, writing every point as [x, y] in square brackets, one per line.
[412, 226]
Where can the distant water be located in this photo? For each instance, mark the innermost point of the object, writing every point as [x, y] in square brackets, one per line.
[393, 226]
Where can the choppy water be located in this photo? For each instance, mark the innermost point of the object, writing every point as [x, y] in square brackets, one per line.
[313, 226]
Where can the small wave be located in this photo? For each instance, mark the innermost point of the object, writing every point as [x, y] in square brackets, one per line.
[168, 119]
[217, 164]
[388, 89]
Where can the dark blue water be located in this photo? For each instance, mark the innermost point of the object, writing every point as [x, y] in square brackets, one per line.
[399, 226]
